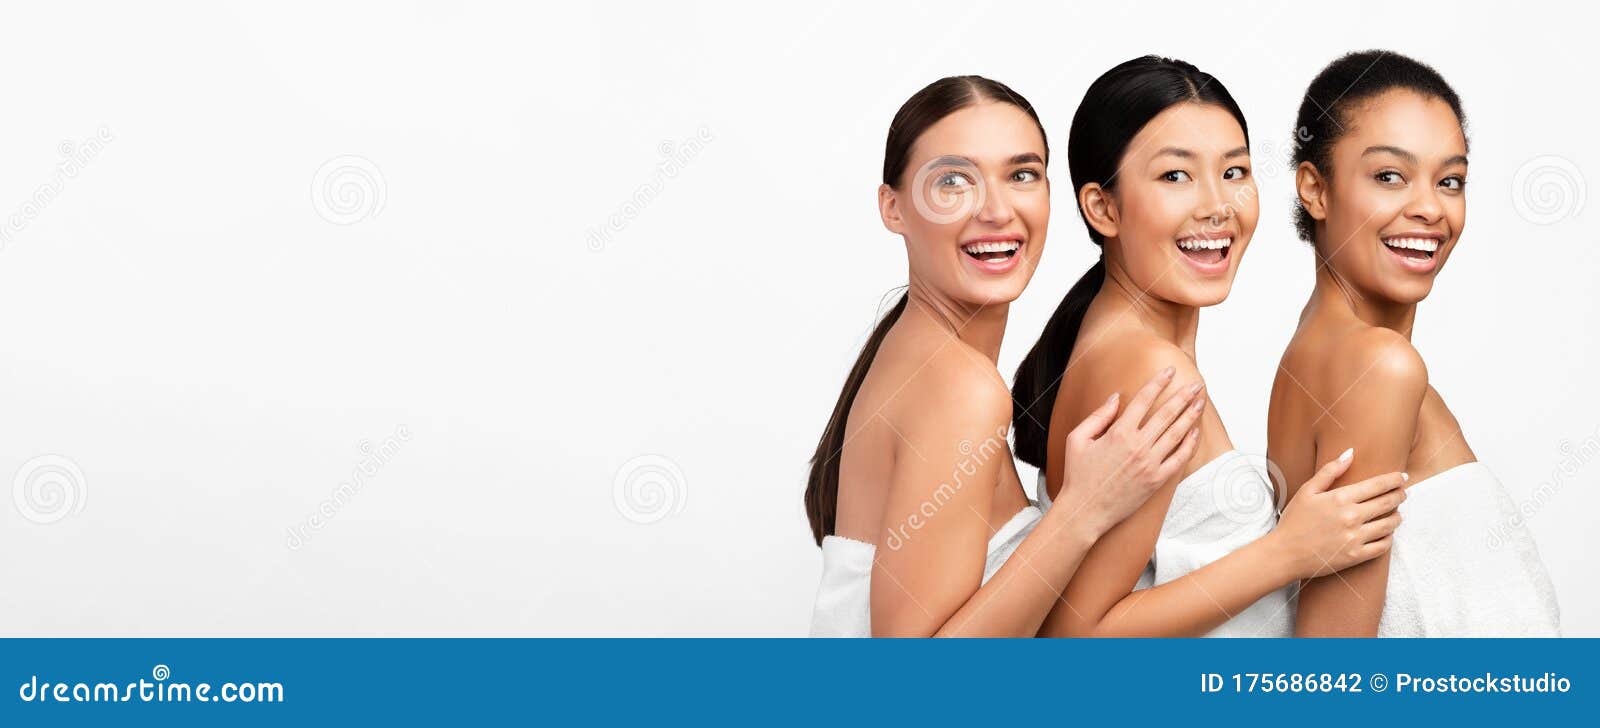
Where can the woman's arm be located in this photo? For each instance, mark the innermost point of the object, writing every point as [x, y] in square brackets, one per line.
[1100, 600]
[1301, 546]
[927, 578]
[1377, 415]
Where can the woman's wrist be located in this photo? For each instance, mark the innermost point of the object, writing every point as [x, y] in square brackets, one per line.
[1075, 523]
[1283, 562]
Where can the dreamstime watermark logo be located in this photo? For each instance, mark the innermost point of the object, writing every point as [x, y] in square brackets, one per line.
[75, 156]
[1302, 141]
[372, 461]
[1548, 189]
[1242, 488]
[49, 488]
[348, 189]
[1574, 458]
[972, 458]
[156, 690]
[1277, 150]
[674, 158]
[648, 488]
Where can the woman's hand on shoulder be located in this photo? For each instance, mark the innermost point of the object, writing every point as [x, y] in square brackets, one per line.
[1114, 463]
[1326, 529]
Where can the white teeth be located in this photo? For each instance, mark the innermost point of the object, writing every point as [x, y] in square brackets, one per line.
[1425, 245]
[1204, 244]
[1001, 247]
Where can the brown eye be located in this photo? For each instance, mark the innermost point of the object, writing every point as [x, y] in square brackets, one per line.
[1176, 175]
[1389, 177]
[1024, 175]
[1453, 182]
[1236, 173]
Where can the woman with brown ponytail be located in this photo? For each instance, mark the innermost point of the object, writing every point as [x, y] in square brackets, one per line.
[924, 526]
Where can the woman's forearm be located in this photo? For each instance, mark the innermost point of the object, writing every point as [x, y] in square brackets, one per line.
[1199, 601]
[1017, 598]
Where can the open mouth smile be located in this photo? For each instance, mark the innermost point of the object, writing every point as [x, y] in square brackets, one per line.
[1206, 254]
[1414, 251]
[994, 253]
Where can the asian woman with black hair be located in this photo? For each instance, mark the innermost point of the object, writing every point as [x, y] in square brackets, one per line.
[1381, 173]
[1160, 163]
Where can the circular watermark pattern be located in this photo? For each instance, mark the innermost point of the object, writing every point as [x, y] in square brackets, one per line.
[1242, 486]
[648, 488]
[1548, 189]
[161, 672]
[944, 193]
[348, 189]
[49, 488]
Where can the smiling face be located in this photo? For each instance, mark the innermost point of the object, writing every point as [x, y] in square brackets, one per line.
[1182, 208]
[1394, 206]
[973, 204]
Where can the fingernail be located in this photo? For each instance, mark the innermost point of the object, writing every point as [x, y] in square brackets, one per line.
[1167, 372]
[1405, 477]
[1199, 403]
[1345, 456]
[1112, 398]
[1196, 387]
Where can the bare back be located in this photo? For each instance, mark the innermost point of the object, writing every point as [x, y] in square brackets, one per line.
[915, 355]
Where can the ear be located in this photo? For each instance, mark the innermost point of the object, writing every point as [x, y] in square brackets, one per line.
[1099, 209]
[1313, 190]
[889, 209]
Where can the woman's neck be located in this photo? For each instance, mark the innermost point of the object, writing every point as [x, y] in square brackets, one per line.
[1175, 323]
[1335, 294]
[979, 326]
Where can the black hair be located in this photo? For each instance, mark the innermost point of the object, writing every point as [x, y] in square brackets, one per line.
[1115, 108]
[924, 109]
[1326, 114]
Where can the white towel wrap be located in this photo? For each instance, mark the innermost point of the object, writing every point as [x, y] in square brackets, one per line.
[843, 607]
[1465, 565]
[1216, 510]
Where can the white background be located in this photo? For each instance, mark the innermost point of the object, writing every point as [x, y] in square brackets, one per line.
[186, 325]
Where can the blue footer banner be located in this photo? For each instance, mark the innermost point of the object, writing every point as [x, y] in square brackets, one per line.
[791, 681]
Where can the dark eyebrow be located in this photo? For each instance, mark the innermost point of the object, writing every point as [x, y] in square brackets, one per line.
[1397, 151]
[1458, 159]
[951, 160]
[1026, 158]
[1176, 152]
[1241, 151]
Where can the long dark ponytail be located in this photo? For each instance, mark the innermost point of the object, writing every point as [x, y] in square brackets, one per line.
[1115, 108]
[924, 109]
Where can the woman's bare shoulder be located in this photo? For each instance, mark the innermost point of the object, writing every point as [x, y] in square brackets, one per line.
[1333, 358]
[1123, 362]
[923, 382]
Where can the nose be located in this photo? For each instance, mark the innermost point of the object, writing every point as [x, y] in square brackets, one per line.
[1425, 206]
[1215, 205]
[994, 205]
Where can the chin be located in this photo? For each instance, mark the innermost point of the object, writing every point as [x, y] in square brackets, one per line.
[1410, 292]
[1201, 295]
[993, 295]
